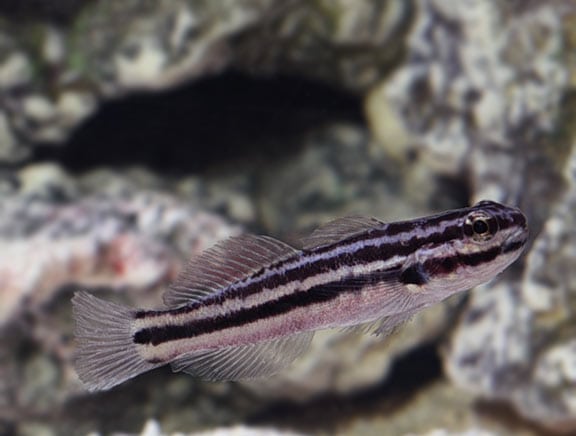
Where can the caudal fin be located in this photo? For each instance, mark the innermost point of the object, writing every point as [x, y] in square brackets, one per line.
[105, 355]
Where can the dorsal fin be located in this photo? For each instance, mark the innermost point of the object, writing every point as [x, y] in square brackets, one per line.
[225, 263]
[339, 229]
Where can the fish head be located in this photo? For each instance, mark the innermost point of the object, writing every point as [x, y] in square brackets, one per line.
[487, 238]
[498, 231]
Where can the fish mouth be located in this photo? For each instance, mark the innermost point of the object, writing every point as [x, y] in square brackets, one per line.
[516, 240]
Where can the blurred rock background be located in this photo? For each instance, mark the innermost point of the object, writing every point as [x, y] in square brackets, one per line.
[135, 134]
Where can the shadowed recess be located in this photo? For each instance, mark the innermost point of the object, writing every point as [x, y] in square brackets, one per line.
[221, 120]
[57, 11]
[409, 375]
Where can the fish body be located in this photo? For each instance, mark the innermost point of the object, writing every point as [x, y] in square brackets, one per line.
[250, 305]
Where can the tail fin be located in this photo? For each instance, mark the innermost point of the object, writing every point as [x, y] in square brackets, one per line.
[106, 355]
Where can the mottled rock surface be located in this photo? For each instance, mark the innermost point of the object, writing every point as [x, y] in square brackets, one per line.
[53, 76]
[492, 109]
[464, 101]
[516, 341]
[57, 236]
[481, 80]
[152, 428]
[97, 240]
[481, 93]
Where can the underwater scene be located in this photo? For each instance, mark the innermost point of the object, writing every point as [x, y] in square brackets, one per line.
[287, 217]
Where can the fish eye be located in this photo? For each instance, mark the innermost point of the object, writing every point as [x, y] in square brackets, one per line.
[480, 226]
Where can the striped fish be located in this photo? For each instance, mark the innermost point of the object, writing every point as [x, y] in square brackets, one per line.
[250, 305]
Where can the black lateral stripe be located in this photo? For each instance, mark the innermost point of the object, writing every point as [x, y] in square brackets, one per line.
[448, 264]
[393, 229]
[282, 305]
[290, 302]
[364, 254]
[513, 246]
[481, 257]
[442, 266]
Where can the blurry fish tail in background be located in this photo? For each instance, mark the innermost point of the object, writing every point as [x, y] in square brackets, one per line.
[106, 354]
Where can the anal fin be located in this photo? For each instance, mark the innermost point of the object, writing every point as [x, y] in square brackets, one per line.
[244, 361]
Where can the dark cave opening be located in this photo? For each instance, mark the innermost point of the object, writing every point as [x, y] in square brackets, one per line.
[227, 118]
[59, 12]
[410, 373]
